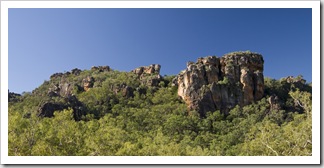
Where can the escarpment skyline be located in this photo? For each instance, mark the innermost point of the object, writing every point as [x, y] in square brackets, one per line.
[211, 83]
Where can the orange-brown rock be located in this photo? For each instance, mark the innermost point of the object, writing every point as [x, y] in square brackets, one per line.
[152, 69]
[214, 83]
[149, 75]
[88, 83]
[126, 91]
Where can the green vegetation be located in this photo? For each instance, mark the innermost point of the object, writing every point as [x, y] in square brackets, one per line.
[154, 121]
[247, 52]
[224, 81]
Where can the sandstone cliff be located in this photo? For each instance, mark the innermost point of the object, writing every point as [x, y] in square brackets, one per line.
[214, 83]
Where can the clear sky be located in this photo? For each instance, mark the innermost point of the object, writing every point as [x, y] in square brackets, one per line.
[46, 41]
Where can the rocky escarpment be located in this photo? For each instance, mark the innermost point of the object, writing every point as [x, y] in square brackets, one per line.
[60, 95]
[63, 86]
[210, 84]
[214, 83]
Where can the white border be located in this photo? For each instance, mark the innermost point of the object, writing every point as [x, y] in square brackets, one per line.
[315, 159]
[159, 4]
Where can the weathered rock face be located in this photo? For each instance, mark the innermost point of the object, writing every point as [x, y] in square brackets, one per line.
[88, 83]
[149, 75]
[152, 69]
[274, 102]
[214, 83]
[48, 108]
[126, 91]
[63, 89]
[152, 80]
[298, 82]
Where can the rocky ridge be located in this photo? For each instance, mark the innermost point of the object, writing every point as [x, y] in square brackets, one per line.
[62, 89]
[209, 84]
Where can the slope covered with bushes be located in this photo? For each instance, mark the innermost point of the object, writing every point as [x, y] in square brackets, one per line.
[108, 112]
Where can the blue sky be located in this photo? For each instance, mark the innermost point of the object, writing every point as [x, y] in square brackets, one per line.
[46, 41]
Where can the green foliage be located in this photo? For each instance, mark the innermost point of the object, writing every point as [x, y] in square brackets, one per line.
[224, 81]
[303, 99]
[247, 52]
[154, 121]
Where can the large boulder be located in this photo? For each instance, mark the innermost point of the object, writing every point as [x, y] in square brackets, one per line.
[214, 83]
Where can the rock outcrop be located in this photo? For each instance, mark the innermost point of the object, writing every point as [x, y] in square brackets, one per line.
[149, 75]
[214, 83]
[152, 69]
[88, 83]
[13, 97]
[101, 68]
[47, 109]
[274, 102]
[56, 75]
[62, 89]
[126, 91]
[298, 81]
[74, 71]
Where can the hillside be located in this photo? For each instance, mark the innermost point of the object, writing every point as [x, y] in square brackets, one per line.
[216, 106]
